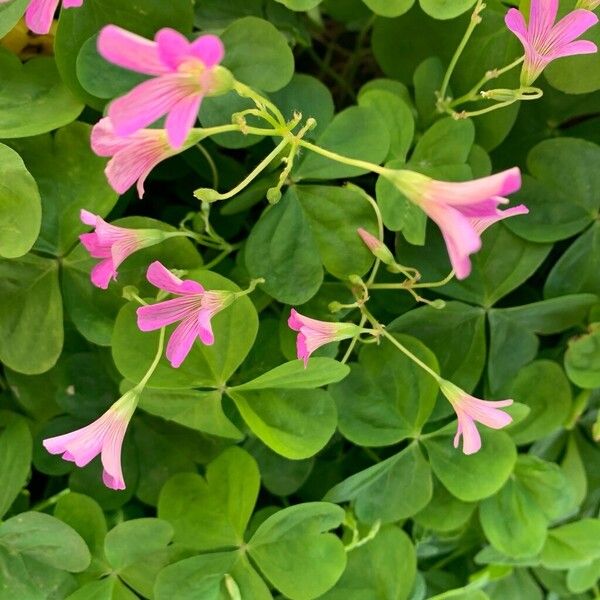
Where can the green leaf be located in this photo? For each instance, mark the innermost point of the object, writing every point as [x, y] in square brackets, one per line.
[282, 249]
[578, 269]
[387, 397]
[33, 99]
[455, 334]
[393, 489]
[543, 387]
[572, 545]
[300, 4]
[307, 95]
[294, 375]
[134, 541]
[196, 409]
[258, 54]
[383, 569]
[583, 578]
[294, 423]
[206, 366]
[397, 114]
[20, 207]
[31, 303]
[582, 360]
[15, 457]
[446, 142]
[477, 476]
[357, 132]
[389, 8]
[109, 588]
[93, 310]
[504, 262]
[144, 17]
[513, 330]
[46, 539]
[212, 513]
[10, 13]
[446, 9]
[82, 184]
[296, 554]
[564, 194]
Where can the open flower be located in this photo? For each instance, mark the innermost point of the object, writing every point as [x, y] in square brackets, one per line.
[133, 156]
[113, 245]
[104, 436]
[194, 308]
[545, 41]
[313, 333]
[462, 210]
[184, 73]
[40, 13]
[469, 410]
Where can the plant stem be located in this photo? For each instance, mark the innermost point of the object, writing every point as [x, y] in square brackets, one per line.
[410, 355]
[211, 164]
[161, 342]
[361, 164]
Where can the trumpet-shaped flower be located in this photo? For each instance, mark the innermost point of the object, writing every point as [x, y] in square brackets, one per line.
[545, 41]
[313, 333]
[40, 13]
[462, 210]
[133, 156]
[183, 74]
[104, 436]
[193, 308]
[470, 410]
[113, 245]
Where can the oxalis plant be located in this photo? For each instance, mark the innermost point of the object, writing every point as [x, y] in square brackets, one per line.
[349, 351]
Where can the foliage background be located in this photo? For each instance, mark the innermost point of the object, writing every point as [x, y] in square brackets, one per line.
[236, 487]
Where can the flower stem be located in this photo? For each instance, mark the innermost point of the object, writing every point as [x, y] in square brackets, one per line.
[361, 164]
[161, 342]
[211, 164]
[410, 355]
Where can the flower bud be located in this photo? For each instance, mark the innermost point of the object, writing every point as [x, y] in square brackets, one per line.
[207, 194]
[501, 95]
[377, 247]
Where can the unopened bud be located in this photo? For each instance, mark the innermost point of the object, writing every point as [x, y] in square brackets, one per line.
[335, 306]
[439, 304]
[207, 194]
[377, 247]
[311, 123]
[501, 95]
[273, 195]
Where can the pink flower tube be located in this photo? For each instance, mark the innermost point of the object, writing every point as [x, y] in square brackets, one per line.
[104, 436]
[193, 308]
[313, 334]
[545, 41]
[183, 74]
[113, 245]
[40, 13]
[470, 410]
[462, 210]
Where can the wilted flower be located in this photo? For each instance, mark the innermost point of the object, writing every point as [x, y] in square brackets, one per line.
[184, 73]
[133, 156]
[40, 13]
[113, 245]
[313, 333]
[545, 41]
[194, 307]
[104, 436]
[462, 210]
[469, 410]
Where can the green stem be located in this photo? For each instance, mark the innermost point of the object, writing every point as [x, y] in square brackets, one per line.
[326, 68]
[410, 355]
[483, 111]
[475, 20]
[50, 501]
[354, 341]
[361, 164]
[211, 164]
[441, 283]
[161, 342]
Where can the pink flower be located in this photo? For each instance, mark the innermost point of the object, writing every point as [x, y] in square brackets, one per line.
[40, 13]
[133, 156]
[183, 73]
[470, 409]
[377, 247]
[313, 334]
[462, 210]
[194, 308]
[104, 436]
[113, 245]
[545, 41]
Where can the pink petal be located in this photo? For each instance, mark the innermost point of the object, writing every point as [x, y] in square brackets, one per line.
[155, 316]
[569, 28]
[111, 455]
[542, 15]
[516, 23]
[294, 321]
[574, 48]
[487, 412]
[182, 340]
[40, 14]
[72, 3]
[302, 351]
[87, 217]
[146, 103]
[93, 246]
[159, 276]
[460, 236]
[181, 119]
[205, 327]
[102, 273]
[130, 51]
[481, 224]
[468, 430]
[104, 140]
[209, 49]
[173, 48]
